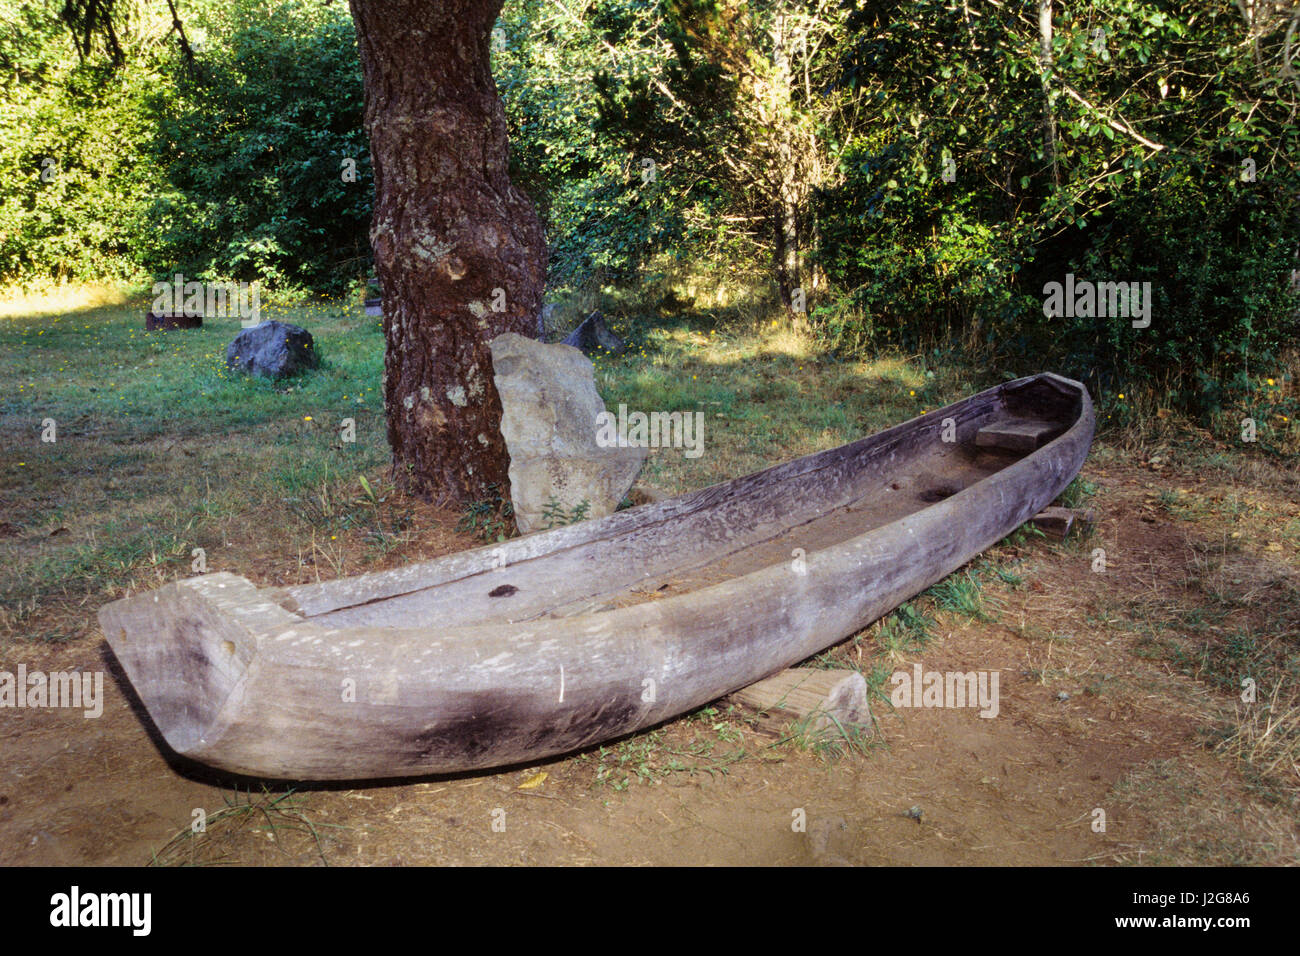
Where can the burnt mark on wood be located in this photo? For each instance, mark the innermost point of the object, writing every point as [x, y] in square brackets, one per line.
[497, 730]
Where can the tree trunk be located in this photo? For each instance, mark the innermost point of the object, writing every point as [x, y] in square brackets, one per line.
[459, 252]
[1045, 56]
[786, 250]
[785, 172]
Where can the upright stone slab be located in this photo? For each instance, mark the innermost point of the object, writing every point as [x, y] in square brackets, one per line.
[549, 420]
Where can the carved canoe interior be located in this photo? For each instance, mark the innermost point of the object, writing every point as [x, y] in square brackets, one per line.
[710, 536]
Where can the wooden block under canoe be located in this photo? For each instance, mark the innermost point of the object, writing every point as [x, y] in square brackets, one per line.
[814, 699]
[1016, 434]
[1057, 522]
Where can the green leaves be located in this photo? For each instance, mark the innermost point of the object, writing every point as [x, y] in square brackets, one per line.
[263, 171]
[976, 253]
[236, 178]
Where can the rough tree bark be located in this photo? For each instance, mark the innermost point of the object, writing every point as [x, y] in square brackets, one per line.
[459, 252]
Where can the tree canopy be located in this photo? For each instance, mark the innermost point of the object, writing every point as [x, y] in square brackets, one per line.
[898, 172]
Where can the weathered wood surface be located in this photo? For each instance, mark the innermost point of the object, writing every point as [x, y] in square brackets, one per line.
[607, 626]
[817, 700]
[1057, 522]
[1016, 434]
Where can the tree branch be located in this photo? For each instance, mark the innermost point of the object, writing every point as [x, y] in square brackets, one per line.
[1120, 126]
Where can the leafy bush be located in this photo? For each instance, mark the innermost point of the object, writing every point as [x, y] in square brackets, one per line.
[255, 151]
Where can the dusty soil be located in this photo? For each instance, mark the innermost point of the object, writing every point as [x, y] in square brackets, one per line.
[1090, 720]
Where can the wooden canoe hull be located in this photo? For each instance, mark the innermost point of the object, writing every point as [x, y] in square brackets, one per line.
[268, 682]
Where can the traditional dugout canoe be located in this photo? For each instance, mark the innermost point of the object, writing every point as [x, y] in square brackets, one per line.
[551, 642]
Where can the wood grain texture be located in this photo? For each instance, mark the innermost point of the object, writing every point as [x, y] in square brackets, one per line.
[612, 625]
[816, 700]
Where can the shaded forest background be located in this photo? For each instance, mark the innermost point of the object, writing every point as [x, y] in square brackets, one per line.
[889, 174]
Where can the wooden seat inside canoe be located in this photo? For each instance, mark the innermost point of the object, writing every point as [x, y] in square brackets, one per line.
[1017, 434]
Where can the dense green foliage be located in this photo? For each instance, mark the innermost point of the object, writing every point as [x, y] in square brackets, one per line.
[917, 168]
[236, 172]
[73, 137]
[1156, 109]
[604, 218]
[256, 151]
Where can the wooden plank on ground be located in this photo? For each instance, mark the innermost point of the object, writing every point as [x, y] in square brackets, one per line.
[1056, 522]
[816, 699]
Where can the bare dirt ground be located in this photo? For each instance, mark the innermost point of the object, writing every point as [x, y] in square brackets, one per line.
[1103, 707]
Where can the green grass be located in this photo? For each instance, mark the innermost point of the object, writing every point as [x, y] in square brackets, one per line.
[488, 519]
[555, 515]
[158, 450]
[767, 393]
[280, 816]
[962, 594]
[1077, 493]
[905, 630]
[708, 740]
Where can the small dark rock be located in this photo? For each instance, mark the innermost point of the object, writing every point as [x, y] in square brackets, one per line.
[272, 349]
[593, 336]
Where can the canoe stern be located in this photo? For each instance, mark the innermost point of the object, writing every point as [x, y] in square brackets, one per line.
[186, 649]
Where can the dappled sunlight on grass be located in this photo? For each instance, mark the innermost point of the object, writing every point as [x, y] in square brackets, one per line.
[781, 339]
[768, 392]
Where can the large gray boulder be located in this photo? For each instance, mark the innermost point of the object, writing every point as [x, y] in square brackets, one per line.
[549, 419]
[273, 349]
